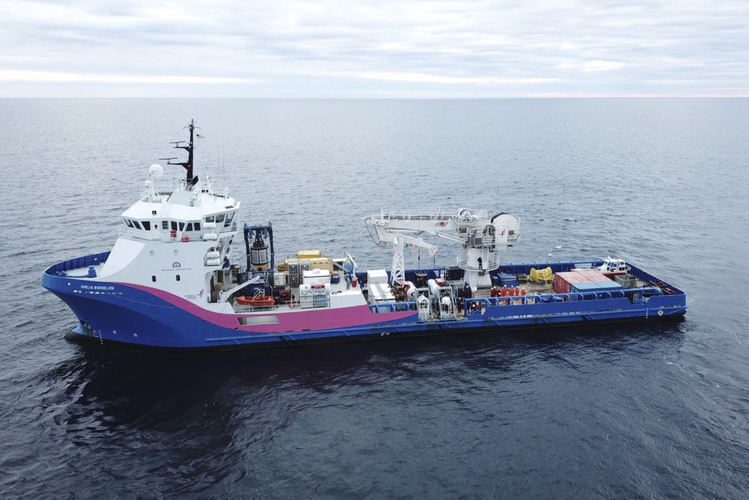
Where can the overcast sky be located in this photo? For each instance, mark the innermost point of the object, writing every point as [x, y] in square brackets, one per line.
[382, 48]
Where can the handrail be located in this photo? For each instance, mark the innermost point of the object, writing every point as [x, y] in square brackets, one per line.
[484, 302]
[393, 307]
[77, 263]
[436, 215]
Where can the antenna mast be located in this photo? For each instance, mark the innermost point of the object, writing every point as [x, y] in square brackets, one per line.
[189, 148]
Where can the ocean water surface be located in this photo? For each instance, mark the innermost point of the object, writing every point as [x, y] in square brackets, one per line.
[646, 409]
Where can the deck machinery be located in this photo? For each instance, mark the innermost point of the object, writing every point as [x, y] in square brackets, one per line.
[480, 236]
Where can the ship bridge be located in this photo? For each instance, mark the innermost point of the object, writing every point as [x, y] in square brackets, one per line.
[190, 212]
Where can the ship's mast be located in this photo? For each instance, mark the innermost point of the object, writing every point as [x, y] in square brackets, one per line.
[189, 148]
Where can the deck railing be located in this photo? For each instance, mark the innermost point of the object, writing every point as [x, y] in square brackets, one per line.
[78, 263]
[392, 307]
[482, 303]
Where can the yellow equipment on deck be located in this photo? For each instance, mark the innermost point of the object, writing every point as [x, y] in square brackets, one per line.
[541, 275]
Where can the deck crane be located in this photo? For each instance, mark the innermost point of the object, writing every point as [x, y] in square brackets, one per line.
[479, 235]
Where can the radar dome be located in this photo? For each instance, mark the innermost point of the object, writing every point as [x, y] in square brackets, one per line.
[156, 170]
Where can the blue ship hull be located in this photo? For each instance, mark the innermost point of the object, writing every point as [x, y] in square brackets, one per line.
[122, 313]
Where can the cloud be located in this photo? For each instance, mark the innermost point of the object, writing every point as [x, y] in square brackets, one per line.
[332, 48]
[426, 78]
[592, 66]
[62, 77]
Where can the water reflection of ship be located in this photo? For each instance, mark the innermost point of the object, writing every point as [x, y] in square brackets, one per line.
[168, 391]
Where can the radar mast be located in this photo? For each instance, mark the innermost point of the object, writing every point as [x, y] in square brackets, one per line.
[189, 148]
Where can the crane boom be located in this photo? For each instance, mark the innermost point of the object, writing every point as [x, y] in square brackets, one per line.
[478, 234]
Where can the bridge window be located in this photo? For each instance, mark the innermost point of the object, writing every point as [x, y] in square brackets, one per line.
[146, 225]
[136, 224]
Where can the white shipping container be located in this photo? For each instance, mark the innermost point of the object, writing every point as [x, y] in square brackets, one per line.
[379, 292]
[317, 276]
[377, 276]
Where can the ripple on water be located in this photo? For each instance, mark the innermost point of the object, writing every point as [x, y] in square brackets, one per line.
[639, 410]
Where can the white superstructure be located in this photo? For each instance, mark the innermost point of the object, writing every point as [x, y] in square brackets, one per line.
[176, 238]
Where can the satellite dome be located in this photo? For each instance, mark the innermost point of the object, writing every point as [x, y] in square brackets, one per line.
[156, 170]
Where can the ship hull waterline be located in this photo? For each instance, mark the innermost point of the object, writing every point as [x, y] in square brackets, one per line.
[138, 316]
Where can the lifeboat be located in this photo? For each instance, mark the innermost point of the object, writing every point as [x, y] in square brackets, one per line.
[256, 301]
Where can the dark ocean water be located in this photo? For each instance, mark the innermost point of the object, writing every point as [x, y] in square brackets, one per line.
[618, 411]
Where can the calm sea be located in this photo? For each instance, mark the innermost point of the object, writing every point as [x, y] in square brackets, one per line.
[645, 410]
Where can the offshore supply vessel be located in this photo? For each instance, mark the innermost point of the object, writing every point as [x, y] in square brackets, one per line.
[170, 281]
